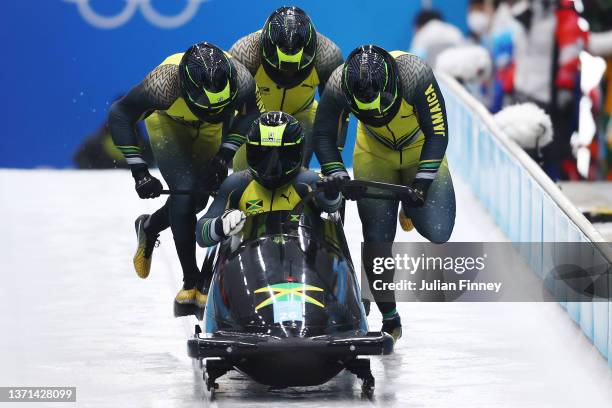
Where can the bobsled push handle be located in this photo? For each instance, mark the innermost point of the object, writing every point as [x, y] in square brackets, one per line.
[358, 189]
[187, 192]
[176, 192]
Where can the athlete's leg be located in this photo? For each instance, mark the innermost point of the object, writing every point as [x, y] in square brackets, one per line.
[148, 226]
[172, 146]
[158, 221]
[436, 219]
[204, 148]
[378, 220]
[374, 162]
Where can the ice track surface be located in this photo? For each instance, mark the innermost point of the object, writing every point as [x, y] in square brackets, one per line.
[73, 313]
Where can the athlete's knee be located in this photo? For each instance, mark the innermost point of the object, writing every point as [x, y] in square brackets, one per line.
[378, 230]
[378, 224]
[438, 233]
[181, 206]
[378, 233]
[441, 238]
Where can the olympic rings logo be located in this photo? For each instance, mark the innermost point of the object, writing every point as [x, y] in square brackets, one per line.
[131, 6]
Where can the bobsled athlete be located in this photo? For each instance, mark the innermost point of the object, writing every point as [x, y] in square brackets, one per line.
[275, 180]
[197, 107]
[289, 60]
[402, 134]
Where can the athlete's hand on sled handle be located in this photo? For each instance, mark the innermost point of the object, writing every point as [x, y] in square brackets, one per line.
[216, 172]
[333, 183]
[232, 222]
[418, 194]
[146, 186]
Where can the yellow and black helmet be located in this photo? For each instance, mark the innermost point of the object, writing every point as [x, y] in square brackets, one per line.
[274, 149]
[289, 41]
[371, 84]
[207, 78]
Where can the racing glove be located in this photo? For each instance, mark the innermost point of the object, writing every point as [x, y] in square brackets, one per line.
[147, 186]
[230, 223]
[217, 172]
[416, 198]
[332, 184]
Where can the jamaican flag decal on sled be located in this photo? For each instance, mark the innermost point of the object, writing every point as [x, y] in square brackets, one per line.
[288, 300]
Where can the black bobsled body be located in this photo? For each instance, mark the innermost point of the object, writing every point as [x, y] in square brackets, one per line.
[284, 305]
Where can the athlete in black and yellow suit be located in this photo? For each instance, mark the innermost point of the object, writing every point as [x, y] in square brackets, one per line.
[275, 180]
[197, 107]
[402, 136]
[289, 61]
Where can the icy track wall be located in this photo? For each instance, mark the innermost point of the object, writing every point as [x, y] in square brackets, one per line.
[524, 202]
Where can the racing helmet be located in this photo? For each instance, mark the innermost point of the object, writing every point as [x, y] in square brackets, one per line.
[288, 41]
[207, 78]
[274, 149]
[371, 84]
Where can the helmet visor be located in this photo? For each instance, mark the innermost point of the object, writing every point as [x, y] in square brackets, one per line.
[290, 42]
[289, 60]
[211, 99]
[377, 107]
[273, 163]
[370, 82]
[206, 99]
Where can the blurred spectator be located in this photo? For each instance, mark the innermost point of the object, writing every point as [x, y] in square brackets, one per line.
[98, 151]
[468, 64]
[478, 20]
[547, 50]
[500, 42]
[599, 15]
[486, 66]
[432, 36]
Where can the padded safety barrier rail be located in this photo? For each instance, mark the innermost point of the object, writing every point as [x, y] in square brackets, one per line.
[524, 202]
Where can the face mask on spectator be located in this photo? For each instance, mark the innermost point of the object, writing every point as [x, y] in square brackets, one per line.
[478, 22]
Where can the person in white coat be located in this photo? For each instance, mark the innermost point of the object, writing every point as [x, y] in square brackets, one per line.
[433, 35]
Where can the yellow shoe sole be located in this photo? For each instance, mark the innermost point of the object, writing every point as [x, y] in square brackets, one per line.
[142, 265]
[186, 297]
[405, 222]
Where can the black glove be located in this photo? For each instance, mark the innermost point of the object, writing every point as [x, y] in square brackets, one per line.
[417, 197]
[147, 186]
[216, 172]
[332, 184]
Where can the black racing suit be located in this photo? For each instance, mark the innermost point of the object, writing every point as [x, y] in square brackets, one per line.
[407, 148]
[241, 191]
[183, 141]
[293, 94]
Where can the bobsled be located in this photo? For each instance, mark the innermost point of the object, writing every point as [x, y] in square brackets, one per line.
[284, 304]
